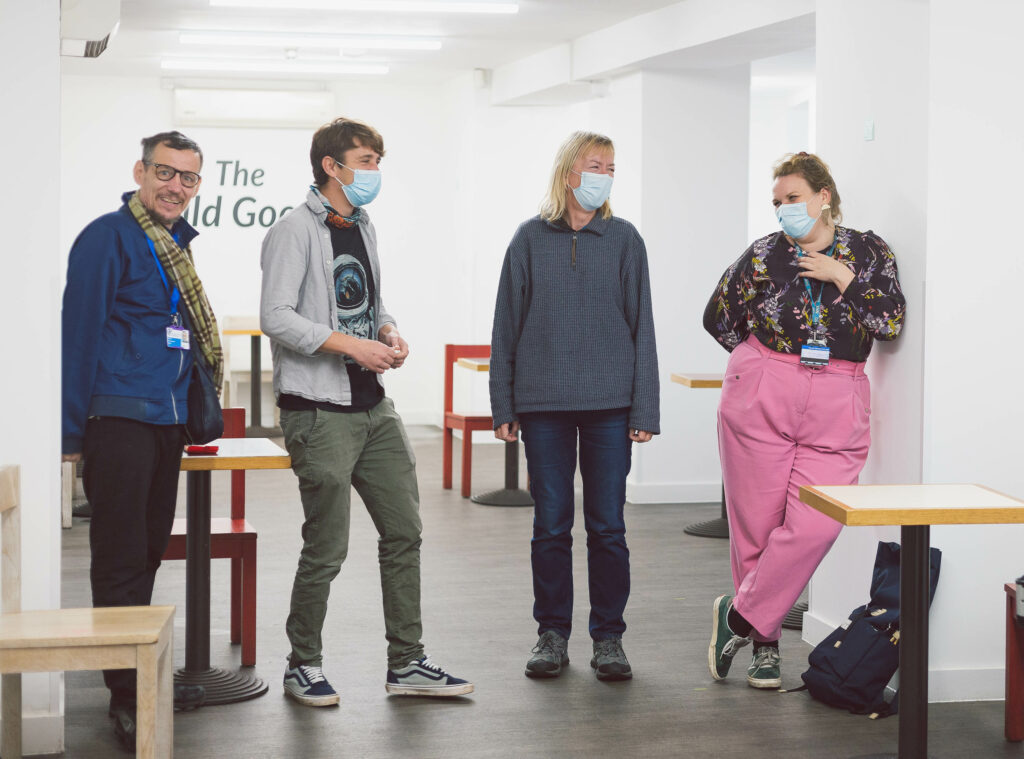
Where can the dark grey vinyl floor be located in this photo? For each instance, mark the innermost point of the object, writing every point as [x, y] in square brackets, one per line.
[477, 618]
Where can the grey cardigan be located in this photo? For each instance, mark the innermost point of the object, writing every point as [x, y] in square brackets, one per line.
[573, 324]
[297, 303]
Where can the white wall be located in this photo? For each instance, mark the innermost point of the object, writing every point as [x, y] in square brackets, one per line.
[692, 216]
[782, 115]
[973, 418]
[30, 292]
[933, 81]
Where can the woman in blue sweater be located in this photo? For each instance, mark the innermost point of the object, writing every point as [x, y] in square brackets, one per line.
[573, 358]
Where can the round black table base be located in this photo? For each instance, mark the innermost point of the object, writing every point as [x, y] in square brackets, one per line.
[795, 617]
[222, 686]
[503, 497]
[713, 528]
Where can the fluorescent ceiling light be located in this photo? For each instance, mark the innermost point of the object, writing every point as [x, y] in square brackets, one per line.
[271, 39]
[270, 67]
[381, 6]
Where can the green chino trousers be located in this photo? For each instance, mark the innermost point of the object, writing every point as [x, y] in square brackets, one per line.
[331, 453]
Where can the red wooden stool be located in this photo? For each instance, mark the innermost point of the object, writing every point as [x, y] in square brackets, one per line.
[453, 421]
[231, 538]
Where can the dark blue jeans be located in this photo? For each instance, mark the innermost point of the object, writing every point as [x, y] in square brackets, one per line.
[604, 455]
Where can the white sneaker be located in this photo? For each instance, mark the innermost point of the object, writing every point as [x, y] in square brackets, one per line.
[308, 686]
[422, 677]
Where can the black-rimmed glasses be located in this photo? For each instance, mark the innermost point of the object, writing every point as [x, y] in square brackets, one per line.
[166, 173]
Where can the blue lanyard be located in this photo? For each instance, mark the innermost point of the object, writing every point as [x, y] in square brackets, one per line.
[815, 303]
[175, 295]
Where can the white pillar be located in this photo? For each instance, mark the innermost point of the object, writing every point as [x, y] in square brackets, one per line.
[30, 292]
[692, 139]
[939, 183]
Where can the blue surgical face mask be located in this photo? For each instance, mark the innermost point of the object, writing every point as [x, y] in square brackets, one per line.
[364, 187]
[794, 219]
[593, 191]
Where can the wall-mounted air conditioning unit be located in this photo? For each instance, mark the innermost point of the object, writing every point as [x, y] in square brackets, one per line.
[86, 26]
[296, 109]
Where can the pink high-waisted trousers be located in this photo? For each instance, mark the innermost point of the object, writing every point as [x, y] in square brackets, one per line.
[782, 425]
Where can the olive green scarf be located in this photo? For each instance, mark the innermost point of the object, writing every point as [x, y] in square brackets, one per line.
[177, 263]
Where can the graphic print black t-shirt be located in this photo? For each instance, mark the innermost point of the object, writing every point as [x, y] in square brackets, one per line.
[354, 296]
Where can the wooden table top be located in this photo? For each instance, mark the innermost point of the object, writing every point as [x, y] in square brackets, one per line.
[955, 503]
[475, 364]
[697, 379]
[241, 325]
[239, 453]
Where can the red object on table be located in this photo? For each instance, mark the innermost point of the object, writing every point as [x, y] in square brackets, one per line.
[453, 421]
[231, 538]
[202, 450]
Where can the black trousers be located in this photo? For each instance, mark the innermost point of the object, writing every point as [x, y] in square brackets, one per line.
[131, 480]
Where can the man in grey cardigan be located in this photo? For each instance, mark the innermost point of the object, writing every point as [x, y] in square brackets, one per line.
[332, 339]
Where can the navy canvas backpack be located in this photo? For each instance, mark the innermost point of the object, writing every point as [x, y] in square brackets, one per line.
[853, 665]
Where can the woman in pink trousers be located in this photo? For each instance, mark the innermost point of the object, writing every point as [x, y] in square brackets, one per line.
[798, 311]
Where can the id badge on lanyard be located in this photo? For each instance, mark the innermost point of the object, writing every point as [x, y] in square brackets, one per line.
[177, 335]
[815, 352]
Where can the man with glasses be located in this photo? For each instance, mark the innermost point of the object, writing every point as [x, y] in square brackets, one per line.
[332, 340]
[135, 318]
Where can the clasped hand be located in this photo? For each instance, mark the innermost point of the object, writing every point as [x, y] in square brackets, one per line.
[378, 357]
[825, 269]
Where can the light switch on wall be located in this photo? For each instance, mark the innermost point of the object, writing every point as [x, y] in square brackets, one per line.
[869, 130]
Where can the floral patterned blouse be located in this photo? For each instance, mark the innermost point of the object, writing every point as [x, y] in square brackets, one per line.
[762, 294]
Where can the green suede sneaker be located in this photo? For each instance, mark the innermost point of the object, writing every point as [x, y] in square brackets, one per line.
[764, 671]
[724, 643]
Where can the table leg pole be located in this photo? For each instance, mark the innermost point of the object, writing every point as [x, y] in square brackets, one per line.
[197, 573]
[255, 378]
[712, 528]
[222, 687]
[512, 465]
[510, 495]
[914, 574]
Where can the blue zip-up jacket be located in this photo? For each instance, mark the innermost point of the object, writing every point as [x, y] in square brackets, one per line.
[114, 339]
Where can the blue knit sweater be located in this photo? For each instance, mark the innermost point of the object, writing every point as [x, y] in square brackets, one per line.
[573, 327]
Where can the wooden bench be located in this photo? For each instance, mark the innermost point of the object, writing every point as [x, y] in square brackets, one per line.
[121, 637]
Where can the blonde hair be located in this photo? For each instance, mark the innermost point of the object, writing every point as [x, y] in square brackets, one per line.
[556, 202]
[815, 172]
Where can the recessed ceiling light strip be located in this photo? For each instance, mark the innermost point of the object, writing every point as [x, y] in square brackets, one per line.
[271, 67]
[273, 39]
[380, 6]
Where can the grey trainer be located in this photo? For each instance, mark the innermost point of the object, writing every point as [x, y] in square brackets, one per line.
[610, 662]
[549, 656]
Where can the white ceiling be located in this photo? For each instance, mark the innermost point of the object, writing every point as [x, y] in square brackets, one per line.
[149, 31]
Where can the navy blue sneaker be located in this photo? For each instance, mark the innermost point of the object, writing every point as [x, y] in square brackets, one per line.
[422, 677]
[307, 685]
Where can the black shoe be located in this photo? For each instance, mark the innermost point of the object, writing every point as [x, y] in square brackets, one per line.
[188, 697]
[124, 726]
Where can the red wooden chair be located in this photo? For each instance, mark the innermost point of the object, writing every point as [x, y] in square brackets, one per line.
[232, 538]
[453, 421]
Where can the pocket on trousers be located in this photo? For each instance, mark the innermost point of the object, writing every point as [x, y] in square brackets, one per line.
[298, 426]
[739, 388]
[861, 398]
